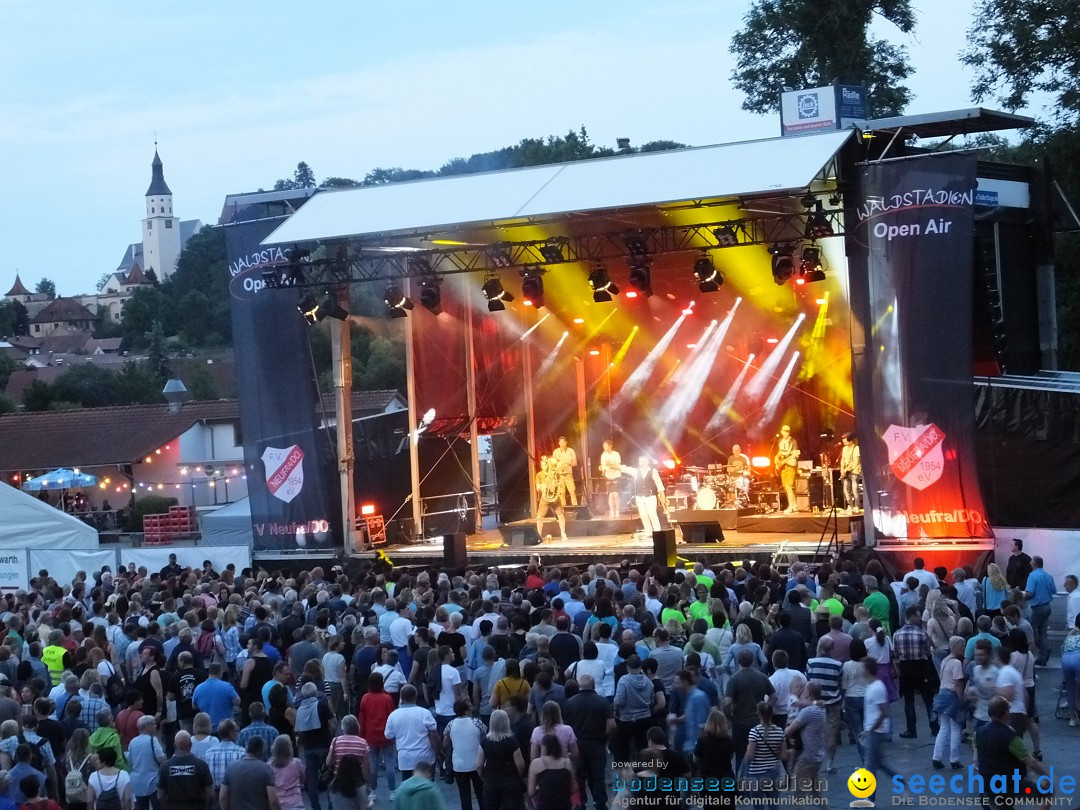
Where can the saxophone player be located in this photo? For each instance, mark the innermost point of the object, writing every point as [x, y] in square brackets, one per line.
[548, 487]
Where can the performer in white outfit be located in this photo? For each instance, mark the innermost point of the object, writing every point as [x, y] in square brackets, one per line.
[611, 469]
[648, 494]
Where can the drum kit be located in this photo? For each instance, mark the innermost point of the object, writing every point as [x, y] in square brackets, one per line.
[719, 487]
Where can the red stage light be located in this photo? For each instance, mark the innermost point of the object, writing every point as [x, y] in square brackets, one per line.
[594, 352]
[800, 281]
[760, 461]
[579, 320]
[688, 311]
[772, 340]
[367, 509]
[691, 345]
[631, 294]
[527, 302]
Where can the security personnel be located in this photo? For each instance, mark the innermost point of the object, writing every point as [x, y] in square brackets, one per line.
[56, 657]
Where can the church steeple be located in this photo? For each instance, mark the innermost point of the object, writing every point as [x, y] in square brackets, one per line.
[158, 188]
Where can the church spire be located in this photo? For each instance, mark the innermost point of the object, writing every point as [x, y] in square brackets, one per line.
[17, 288]
[158, 188]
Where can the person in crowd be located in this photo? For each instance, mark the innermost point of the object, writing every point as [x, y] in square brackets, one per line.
[146, 755]
[501, 766]
[461, 743]
[108, 778]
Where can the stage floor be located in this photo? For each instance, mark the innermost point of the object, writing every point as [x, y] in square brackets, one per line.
[757, 537]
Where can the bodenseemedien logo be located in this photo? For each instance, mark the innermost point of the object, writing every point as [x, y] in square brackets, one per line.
[861, 784]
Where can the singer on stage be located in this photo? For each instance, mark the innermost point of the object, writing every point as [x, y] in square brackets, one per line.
[787, 463]
[547, 485]
[648, 494]
[611, 468]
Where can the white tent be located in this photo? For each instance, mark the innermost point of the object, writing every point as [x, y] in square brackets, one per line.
[26, 522]
[228, 526]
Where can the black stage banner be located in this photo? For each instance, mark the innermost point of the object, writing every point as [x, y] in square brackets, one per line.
[289, 461]
[911, 290]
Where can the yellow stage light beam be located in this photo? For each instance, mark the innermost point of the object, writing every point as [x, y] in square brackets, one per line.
[616, 361]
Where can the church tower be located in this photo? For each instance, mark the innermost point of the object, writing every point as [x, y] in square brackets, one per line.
[161, 230]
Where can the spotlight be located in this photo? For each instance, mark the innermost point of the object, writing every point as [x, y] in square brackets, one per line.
[808, 200]
[818, 225]
[532, 287]
[636, 244]
[309, 308]
[603, 288]
[271, 279]
[294, 273]
[641, 278]
[497, 297]
[726, 236]
[552, 252]
[499, 255]
[431, 294]
[810, 266]
[397, 305]
[708, 277]
[783, 266]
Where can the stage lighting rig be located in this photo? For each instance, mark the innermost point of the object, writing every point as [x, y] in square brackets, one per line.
[431, 294]
[810, 269]
[783, 265]
[532, 286]
[294, 271]
[818, 225]
[808, 200]
[552, 252]
[499, 255]
[497, 297]
[397, 304]
[641, 277]
[636, 245]
[707, 276]
[726, 236]
[603, 288]
[271, 279]
[309, 308]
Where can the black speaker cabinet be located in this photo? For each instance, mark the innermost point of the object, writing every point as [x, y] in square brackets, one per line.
[702, 531]
[664, 551]
[519, 535]
[454, 554]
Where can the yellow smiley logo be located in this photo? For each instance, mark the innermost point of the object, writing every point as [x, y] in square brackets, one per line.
[861, 784]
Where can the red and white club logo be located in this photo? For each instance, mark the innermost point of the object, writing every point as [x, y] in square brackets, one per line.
[284, 471]
[915, 454]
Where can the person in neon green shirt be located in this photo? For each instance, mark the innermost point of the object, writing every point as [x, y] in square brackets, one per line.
[876, 602]
[699, 608]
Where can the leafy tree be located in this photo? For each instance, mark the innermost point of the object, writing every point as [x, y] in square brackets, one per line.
[21, 328]
[382, 367]
[7, 368]
[151, 276]
[194, 310]
[146, 306]
[660, 146]
[7, 318]
[106, 327]
[86, 384]
[811, 43]
[1020, 47]
[303, 177]
[379, 177]
[46, 287]
[201, 383]
[37, 396]
[102, 281]
[136, 384]
[7, 404]
[157, 353]
[202, 267]
[339, 182]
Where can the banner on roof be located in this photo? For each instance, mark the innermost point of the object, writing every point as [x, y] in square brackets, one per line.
[288, 459]
[911, 294]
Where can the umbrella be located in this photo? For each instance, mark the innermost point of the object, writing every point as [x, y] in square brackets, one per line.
[59, 479]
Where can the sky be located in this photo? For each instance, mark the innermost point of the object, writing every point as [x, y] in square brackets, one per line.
[237, 93]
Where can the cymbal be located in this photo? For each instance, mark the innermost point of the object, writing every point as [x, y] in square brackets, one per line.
[696, 469]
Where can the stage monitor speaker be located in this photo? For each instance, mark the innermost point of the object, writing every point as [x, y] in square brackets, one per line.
[519, 535]
[817, 491]
[702, 531]
[664, 552]
[454, 554]
[802, 503]
[802, 485]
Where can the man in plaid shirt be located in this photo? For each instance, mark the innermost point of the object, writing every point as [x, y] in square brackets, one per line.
[258, 727]
[911, 651]
[93, 703]
[226, 752]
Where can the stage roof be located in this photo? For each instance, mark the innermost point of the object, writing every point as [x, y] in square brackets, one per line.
[952, 122]
[726, 171]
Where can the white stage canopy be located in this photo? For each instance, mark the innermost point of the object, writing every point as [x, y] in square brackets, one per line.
[719, 172]
[26, 522]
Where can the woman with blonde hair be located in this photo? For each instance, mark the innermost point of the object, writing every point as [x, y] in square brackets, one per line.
[551, 722]
[941, 625]
[289, 774]
[501, 765]
[201, 739]
[994, 590]
[77, 757]
[713, 755]
[744, 640]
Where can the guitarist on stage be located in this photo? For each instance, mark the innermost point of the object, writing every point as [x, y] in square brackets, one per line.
[786, 463]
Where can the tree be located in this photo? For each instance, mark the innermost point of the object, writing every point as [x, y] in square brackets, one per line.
[146, 306]
[202, 267]
[46, 287]
[339, 182]
[102, 281]
[157, 353]
[7, 318]
[151, 276]
[37, 396]
[1020, 47]
[194, 311]
[201, 383]
[811, 43]
[303, 177]
[21, 326]
[137, 384]
[7, 404]
[86, 384]
[7, 368]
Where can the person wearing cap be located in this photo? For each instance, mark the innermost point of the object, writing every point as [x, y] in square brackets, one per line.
[173, 569]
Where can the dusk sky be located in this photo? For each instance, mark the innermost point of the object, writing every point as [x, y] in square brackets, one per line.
[239, 92]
